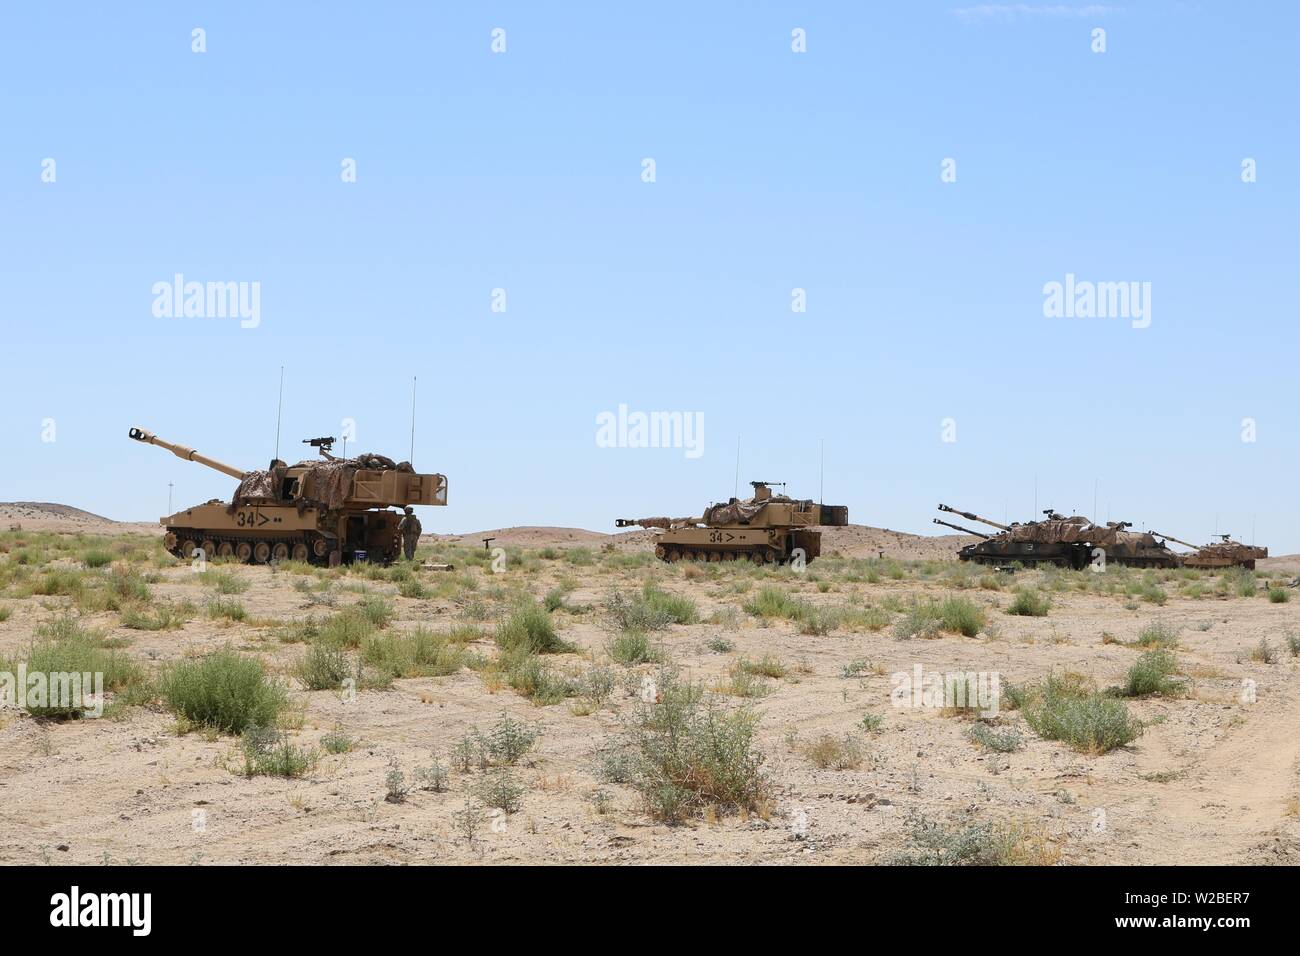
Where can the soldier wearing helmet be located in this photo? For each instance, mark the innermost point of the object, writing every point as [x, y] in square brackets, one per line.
[410, 528]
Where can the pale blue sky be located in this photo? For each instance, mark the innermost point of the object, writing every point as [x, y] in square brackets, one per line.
[775, 170]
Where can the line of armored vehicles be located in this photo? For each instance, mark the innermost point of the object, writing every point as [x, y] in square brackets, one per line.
[333, 510]
[1076, 542]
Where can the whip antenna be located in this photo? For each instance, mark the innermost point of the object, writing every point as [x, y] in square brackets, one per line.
[279, 405]
[413, 381]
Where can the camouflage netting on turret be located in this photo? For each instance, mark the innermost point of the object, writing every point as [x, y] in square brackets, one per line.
[256, 484]
[326, 483]
[737, 511]
[1072, 530]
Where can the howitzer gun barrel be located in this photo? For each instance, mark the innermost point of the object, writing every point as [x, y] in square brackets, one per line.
[664, 524]
[970, 516]
[1170, 537]
[180, 451]
[957, 527]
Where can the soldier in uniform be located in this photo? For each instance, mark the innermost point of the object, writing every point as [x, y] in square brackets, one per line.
[410, 528]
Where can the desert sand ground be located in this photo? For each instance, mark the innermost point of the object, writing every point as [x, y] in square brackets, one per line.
[846, 776]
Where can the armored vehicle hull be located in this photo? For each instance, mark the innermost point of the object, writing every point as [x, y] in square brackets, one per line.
[759, 545]
[1243, 557]
[260, 533]
[1028, 553]
[329, 511]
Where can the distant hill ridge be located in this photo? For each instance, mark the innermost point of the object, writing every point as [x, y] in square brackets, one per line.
[52, 509]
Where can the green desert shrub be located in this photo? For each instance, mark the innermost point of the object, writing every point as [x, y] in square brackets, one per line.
[1152, 674]
[991, 843]
[632, 647]
[529, 628]
[961, 615]
[413, 588]
[1239, 581]
[508, 741]
[324, 667]
[500, 790]
[918, 621]
[348, 628]
[226, 609]
[533, 678]
[686, 753]
[999, 741]
[1066, 709]
[223, 582]
[677, 608]
[927, 617]
[164, 617]
[63, 647]
[337, 742]
[376, 611]
[1029, 603]
[65, 582]
[1157, 634]
[304, 630]
[773, 602]
[1152, 593]
[97, 558]
[766, 666]
[652, 610]
[417, 653]
[868, 619]
[224, 690]
[269, 752]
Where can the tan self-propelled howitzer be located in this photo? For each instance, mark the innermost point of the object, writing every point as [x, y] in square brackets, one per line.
[764, 529]
[325, 511]
[1224, 553]
[1072, 542]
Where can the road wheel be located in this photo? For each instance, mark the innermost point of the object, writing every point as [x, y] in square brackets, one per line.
[225, 549]
[261, 552]
[300, 552]
[280, 552]
[243, 551]
[209, 549]
[187, 548]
